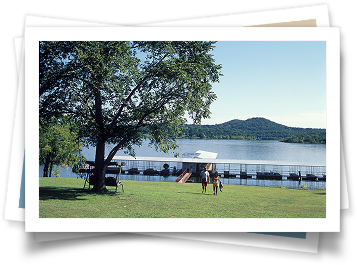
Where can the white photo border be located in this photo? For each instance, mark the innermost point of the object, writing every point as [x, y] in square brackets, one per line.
[35, 34]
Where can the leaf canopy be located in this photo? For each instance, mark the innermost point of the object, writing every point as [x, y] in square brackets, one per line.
[121, 92]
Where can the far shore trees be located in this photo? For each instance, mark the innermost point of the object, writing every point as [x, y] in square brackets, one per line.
[121, 92]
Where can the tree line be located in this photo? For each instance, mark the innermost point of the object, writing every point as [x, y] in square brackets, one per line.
[312, 138]
[250, 129]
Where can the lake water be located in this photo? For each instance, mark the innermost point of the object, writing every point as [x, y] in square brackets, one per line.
[230, 149]
[236, 149]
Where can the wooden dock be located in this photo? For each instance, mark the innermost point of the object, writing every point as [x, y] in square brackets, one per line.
[228, 168]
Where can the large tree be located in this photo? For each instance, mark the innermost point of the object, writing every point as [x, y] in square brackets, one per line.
[123, 91]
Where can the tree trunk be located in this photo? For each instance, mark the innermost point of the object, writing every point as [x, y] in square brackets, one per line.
[100, 168]
[45, 169]
[50, 173]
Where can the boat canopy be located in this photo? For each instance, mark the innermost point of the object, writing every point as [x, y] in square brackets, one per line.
[212, 160]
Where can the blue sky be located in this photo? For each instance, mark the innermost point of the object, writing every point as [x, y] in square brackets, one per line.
[283, 81]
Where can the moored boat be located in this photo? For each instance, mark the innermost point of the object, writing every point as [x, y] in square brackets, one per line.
[323, 178]
[244, 175]
[293, 176]
[310, 177]
[227, 174]
[133, 171]
[166, 171]
[150, 172]
[269, 175]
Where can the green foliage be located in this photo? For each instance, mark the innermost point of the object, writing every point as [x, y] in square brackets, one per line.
[250, 129]
[119, 90]
[59, 144]
[281, 187]
[57, 171]
[307, 138]
[303, 187]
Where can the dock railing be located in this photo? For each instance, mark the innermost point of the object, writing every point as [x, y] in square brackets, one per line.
[181, 175]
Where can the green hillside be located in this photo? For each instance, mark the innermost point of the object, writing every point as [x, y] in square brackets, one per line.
[306, 138]
[250, 129]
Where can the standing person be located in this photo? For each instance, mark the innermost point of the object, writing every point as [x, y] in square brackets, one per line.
[204, 180]
[215, 183]
[220, 185]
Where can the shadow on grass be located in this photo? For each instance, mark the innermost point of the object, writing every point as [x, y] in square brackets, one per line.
[200, 193]
[52, 193]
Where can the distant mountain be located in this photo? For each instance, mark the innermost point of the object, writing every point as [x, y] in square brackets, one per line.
[250, 129]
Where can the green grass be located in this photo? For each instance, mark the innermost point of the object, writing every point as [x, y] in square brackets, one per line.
[65, 198]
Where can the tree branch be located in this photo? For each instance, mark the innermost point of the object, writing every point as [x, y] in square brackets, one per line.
[127, 99]
[113, 152]
[151, 111]
[134, 90]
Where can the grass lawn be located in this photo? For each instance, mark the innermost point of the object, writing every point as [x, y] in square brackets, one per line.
[65, 198]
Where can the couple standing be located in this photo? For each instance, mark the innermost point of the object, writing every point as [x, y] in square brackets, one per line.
[205, 178]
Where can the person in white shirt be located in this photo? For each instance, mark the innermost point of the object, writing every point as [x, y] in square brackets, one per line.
[204, 179]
